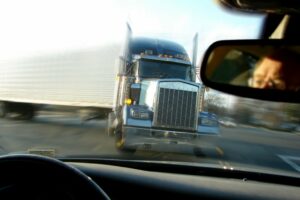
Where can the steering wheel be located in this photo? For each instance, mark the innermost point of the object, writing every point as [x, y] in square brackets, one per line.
[38, 177]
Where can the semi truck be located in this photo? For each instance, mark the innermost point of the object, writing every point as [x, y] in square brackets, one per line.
[157, 99]
[145, 87]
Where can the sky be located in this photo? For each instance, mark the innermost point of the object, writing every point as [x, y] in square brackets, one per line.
[42, 26]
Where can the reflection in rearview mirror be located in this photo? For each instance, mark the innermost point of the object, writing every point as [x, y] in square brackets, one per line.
[275, 67]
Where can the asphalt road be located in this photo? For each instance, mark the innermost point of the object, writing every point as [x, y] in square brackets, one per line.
[65, 134]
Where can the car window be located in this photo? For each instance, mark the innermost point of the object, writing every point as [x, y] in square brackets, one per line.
[74, 83]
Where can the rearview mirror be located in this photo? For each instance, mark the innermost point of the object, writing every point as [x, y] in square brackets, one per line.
[262, 69]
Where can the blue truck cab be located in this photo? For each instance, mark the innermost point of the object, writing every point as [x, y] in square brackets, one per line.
[158, 100]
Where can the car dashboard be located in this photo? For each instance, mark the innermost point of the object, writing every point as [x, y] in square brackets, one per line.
[121, 182]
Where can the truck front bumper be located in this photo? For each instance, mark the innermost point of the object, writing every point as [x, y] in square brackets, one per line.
[147, 137]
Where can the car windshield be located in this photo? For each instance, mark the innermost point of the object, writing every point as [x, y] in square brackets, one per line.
[65, 93]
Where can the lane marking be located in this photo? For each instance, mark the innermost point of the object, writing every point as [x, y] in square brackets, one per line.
[220, 151]
[290, 162]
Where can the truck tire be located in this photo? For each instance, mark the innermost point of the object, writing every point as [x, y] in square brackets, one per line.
[17, 111]
[24, 111]
[3, 110]
[28, 114]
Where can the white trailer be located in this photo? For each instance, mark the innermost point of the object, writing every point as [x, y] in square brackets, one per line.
[85, 78]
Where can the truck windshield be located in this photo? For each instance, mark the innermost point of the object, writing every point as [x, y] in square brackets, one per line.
[154, 69]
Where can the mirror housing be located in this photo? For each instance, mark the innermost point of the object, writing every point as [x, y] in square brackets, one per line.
[266, 6]
[219, 74]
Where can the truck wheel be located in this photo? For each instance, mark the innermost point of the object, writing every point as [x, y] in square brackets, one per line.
[3, 110]
[120, 144]
[28, 115]
[26, 112]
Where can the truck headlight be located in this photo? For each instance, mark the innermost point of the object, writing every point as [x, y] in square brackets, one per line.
[139, 113]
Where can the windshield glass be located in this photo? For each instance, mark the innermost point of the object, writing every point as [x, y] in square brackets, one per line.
[150, 69]
[62, 93]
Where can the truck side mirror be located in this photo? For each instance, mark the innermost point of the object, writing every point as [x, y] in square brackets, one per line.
[124, 65]
[193, 74]
[135, 90]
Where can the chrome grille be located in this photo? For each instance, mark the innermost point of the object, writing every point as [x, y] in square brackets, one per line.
[176, 109]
